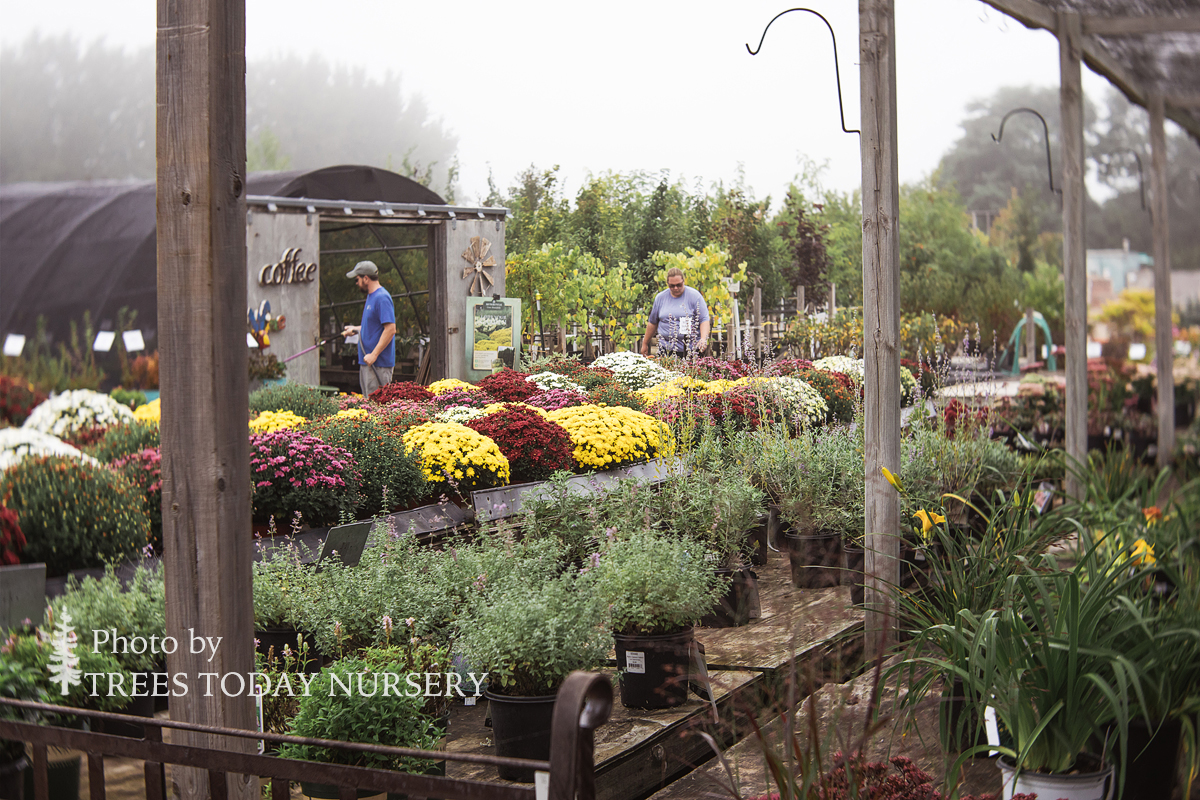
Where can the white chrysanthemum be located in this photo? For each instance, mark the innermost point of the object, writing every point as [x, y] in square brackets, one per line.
[552, 380]
[69, 412]
[17, 443]
[844, 364]
[634, 370]
[459, 414]
[801, 399]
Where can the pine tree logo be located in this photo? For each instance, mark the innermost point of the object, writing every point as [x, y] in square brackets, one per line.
[64, 664]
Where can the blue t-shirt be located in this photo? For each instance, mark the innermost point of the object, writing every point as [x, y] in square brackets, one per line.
[378, 312]
[678, 319]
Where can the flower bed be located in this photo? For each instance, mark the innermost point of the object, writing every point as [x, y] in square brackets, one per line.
[633, 370]
[401, 390]
[555, 399]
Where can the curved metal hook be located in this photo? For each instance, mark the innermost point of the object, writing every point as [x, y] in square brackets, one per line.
[836, 71]
[1049, 167]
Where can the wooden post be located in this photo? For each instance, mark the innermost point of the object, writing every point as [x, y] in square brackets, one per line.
[201, 229]
[799, 300]
[1030, 337]
[439, 317]
[1164, 344]
[832, 301]
[881, 311]
[1071, 99]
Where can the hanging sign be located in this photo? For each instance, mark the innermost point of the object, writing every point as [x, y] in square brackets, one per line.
[495, 330]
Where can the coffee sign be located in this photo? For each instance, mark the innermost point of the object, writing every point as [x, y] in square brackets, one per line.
[288, 269]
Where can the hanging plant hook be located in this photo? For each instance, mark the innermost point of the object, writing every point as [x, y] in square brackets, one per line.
[836, 71]
[1045, 128]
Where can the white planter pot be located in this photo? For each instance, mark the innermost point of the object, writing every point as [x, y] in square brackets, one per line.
[1083, 786]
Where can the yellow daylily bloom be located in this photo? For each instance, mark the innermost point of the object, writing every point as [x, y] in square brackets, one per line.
[928, 520]
[892, 479]
[1143, 553]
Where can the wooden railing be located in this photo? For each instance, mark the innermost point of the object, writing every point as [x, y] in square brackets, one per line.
[584, 704]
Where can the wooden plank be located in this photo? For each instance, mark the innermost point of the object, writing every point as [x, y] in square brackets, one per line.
[1134, 26]
[201, 223]
[881, 309]
[1074, 264]
[438, 349]
[1164, 344]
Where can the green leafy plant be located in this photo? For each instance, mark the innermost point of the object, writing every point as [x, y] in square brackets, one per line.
[528, 638]
[295, 472]
[716, 509]
[283, 587]
[128, 397]
[123, 440]
[74, 514]
[654, 583]
[104, 604]
[387, 469]
[31, 651]
[305, 401]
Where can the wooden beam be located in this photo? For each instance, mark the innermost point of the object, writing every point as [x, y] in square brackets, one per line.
[1029, 13]
[201, 234]
[1074, 263]
[1164, 344]
[1135, 26]
[881, 311]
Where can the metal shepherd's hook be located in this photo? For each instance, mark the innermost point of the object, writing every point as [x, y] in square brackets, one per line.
[1045, 128]
[837, 72]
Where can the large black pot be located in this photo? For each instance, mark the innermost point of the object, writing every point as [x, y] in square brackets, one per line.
[733, 610]
[816, 559]
[140, 706]
[12, 778]
[757, 539]
[854, 564]
[1152, 770]
[62, 778]
[654, 669]
[521, 729]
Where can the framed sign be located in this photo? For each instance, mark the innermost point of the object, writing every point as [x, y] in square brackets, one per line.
[494, 328]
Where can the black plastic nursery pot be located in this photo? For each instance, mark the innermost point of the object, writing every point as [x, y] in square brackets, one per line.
[521, 729]
[734, 609]
[758, 538]
[854, 562]
[654, 669]
[816, 559]
[327, 791]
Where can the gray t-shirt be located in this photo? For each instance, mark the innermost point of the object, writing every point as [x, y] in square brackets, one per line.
[678, 319]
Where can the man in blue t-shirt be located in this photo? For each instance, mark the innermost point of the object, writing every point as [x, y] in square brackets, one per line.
[679, 317]
[376, 343]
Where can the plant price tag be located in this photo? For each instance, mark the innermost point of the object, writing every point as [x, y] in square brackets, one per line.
[541, 784]
[635, 662]
[469, 700]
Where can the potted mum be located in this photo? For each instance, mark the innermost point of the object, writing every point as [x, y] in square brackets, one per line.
[657, 588]
[296, 472]
[456, 460]
[528, 639]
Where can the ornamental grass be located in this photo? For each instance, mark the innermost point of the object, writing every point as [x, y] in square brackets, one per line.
[534, 446]
[455, 459]
[606, 437]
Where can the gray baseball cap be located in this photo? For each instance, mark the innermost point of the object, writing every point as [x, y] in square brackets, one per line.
[364, 268]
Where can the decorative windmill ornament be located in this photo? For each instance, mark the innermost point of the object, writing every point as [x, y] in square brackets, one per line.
[477, 256]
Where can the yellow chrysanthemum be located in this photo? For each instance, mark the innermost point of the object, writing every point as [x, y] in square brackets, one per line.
[149, 412]
[353, 413]
[446, 384]
[719, 386]
[450, 449]
[270, 421]
[605, 437]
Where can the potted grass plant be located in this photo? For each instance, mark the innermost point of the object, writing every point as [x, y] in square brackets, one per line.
[657, 587]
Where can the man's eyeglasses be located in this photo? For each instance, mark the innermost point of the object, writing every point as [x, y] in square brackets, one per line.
[675, 285]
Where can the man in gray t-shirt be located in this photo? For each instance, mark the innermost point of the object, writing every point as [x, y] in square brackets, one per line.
[679, 317]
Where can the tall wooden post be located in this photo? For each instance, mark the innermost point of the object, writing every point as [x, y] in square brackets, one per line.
[756, 310]
[881, 310]
[1030, 337]
[201, 219]
[800, 299]
[1164, 344]
[832, 301]
[1070, 34]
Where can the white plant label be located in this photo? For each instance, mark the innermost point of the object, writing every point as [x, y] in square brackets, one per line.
[133, 340]
[14, 343]
[993, 728]
[635, 662]
[469, 700]
[104, 341]
[685, 326]
[541, 785]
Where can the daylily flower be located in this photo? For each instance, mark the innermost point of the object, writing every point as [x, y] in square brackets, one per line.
[928, 520]
[892, 479]
[1152, 514]
[1143, 553]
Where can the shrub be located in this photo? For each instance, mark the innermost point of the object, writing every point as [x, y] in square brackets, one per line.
[303, 401]
[125, 439]
[390, 476]
[135, 608]
[508, 386]
[143, 470]
[459, 414]
[74, 514]
[12, 541]
[838, 397]
[555, 399]
[788, 366]
[739, 409]
[75, 412]
[18, 397]
[295, 472]
[615, 393]
[610, 437]
[456, 459]
[131, 398]
[143, 372]
[552, 380]
[534, 446]
[398, 417]
[354, 400]
[401, 390]
[17, 443]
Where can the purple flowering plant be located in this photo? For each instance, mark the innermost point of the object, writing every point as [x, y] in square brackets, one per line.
[554, 399]
[471, 398]
[292, 471]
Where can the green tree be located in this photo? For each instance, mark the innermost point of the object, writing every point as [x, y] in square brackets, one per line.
[841, 215]
[804, 240]
[264, 153]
